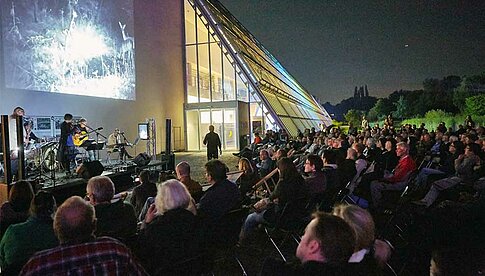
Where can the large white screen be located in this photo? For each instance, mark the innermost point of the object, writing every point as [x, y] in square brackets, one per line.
[83, 47]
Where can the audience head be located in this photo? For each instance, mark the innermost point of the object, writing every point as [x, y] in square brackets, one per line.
[182, 169]
[263, 154]
[472, 149]
[145, 176]
[402, 149]
[215, 171]
[327, 239]
[456, 148]
[351, 154]
[100, 189]
[360, 220]
[172, 194]
[313, 163]
[286, 168]
[245, 166]
[20, 195]
[74, 221]
[359, 148]
[329, 157]
[43, 205]
[211, 128]
[280, 153]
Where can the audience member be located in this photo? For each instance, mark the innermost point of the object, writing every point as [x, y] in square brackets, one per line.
[22, 240]
[80, 252]
[143, 191]
[316, 181]
[325, 249]
[16, 209]
[369, 252]
[248, 178]
[115, 219]
[222, 196]
[290, 195]
[170, 233]
[183, 175]
[266, 164]
[466, 166]
[397, 180]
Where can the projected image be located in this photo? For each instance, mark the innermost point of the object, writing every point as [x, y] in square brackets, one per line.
[83, 47]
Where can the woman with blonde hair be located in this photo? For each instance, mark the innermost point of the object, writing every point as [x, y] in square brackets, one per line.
[369, 252]
[248, 178]
[170, 231]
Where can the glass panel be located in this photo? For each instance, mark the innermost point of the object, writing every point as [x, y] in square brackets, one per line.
[229, 82]
[191, 68]
[242, 88]
[202, 32]
[216, 72]
[230, 132]
[217, 122]
[189, 23]
[192, 130]
[204, 80]
[205, 122]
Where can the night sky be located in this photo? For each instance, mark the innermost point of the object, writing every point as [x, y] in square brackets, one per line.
[332, 46]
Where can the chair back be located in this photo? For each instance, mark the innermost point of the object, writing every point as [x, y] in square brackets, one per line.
[226, 230]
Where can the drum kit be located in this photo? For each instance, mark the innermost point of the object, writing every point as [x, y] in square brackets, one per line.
[42, 156]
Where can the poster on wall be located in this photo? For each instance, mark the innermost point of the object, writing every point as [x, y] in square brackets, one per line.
[82, 47]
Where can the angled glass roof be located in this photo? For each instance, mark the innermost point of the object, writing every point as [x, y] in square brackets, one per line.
[289, 103]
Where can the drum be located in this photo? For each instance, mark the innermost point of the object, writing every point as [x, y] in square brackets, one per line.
[49, 161]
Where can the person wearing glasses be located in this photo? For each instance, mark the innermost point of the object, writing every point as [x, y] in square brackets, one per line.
[466, 173]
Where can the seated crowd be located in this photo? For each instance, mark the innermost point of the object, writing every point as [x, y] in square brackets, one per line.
[329, 188]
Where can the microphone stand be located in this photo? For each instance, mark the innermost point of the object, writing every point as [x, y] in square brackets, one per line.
[125, 141]
[96, 131]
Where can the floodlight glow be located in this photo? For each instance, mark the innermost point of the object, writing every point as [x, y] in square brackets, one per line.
[85, 43]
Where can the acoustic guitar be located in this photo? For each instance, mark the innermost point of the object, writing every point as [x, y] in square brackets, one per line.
[79, 138]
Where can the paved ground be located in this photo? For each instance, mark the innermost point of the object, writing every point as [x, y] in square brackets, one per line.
[197, 161]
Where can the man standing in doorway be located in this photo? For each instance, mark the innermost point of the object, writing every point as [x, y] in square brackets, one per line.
[213, 142]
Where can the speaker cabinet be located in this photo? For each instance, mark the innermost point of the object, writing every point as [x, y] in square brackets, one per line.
[90, 169]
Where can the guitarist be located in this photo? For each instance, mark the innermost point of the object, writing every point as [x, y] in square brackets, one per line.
[81, 137]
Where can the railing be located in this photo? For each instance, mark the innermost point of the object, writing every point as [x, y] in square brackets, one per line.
[264, 182]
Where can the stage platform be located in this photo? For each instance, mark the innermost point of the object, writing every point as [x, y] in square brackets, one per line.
[121, 173]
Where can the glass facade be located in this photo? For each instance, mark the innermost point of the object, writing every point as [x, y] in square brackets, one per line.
[225, 64]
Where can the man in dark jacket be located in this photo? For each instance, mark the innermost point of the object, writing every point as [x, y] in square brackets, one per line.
[115, 219]
[143, 191]
[222, 196]
[212, 141]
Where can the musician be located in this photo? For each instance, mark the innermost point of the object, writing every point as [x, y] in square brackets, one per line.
[67, 150]
[116, 140]
[81, 137]
[29, 135]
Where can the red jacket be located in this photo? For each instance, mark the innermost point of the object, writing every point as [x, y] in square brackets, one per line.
[406, 165]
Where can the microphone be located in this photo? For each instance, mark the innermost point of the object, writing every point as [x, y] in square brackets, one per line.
[122, 132]
[99, 128]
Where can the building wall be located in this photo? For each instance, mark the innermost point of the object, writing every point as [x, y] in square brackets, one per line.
[159, 80]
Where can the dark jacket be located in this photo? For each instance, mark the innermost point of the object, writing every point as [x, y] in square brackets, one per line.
[219, 199]
[116, 220]
[140, 195]
[212, 141]
[169, 239]
[316, 183]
